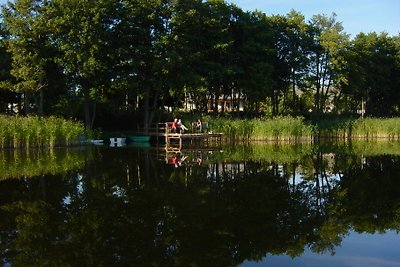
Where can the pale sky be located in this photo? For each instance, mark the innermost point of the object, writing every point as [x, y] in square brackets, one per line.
[356, 15]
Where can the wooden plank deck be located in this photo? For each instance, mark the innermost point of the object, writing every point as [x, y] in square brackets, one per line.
[191, 135]
[174, 141]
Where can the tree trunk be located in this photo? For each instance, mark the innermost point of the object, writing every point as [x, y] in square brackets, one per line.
[40, 104]
[146, 110]
[86, 107]
[26, 104]
[275, 103]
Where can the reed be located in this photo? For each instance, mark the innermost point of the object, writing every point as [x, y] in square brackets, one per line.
[266, 129]
[366, 129]
[31, 131]
[297, 128]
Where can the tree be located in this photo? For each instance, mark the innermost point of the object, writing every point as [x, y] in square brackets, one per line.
[373, 73]
[28, 48]
[326, 57]
[293, 50]
[6, 96]
[257, 59]
[185, 48]
[142, 58]
[81, 31]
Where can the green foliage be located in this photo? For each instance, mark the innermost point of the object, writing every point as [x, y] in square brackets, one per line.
[35, 162]
[373, 71]
[278, 128]
[368, 128]
[297, 129]
[30, 131]
[142, 56]
[29, 49]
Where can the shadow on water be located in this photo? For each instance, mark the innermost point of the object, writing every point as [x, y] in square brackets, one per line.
[125, 206]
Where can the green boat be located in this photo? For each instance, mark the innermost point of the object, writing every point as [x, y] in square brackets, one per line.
[140, 138]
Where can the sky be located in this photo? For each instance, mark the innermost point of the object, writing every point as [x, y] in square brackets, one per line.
[356, 15]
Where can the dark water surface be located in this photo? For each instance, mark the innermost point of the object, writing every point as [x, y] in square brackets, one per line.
[255, 205]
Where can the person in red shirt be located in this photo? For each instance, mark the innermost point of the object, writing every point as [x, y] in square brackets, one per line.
[174, 126]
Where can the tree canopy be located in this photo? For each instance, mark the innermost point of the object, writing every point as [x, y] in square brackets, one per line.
[121, 58]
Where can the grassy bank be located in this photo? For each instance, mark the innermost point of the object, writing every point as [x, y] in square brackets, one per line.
[367, 129]
[30, 131]
[266, 129]
[292, 129]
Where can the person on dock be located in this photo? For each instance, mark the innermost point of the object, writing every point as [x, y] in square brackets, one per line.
[177, 159]
[174, 126]
[182, 128]
[199, 125]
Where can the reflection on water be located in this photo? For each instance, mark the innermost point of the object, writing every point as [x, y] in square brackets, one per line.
[125, 206]
[34, 162]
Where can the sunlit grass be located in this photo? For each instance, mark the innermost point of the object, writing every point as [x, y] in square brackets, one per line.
[31, 131]
[279, 128]
[367, 128]
[297, 128]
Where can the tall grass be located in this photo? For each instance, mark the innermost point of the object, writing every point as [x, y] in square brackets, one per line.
[278, 128]
[366, 129]
[297, 128]
[31, 131]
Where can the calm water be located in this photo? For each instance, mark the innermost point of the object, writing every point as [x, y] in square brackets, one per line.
[259, 205]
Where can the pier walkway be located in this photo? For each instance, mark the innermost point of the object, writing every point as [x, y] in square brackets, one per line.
[175, 140]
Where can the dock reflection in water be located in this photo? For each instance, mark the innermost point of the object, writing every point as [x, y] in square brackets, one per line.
[132, 206]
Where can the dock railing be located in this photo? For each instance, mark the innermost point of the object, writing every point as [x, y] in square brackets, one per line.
[174, 139]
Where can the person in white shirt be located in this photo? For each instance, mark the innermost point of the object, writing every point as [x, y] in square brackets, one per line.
[182, 127]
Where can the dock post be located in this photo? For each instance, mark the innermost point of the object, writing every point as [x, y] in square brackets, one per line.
[166, 135]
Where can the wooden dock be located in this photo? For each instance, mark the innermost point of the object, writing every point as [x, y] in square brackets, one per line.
[175, 140]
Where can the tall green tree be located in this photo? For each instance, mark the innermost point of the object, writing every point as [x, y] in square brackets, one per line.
[142, 59]
[28, 47]
[217, 51]
[329, 42]
[81, 32]
[292, 42]
[185, 51]
[7, 97]
[257, 61]
[373, 73]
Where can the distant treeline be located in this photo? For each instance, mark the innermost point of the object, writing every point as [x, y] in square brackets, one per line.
[105, 61]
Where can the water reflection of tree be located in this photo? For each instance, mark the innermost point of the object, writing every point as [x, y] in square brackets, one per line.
[142, 213]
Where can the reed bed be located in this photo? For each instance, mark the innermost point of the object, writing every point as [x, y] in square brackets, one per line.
[32, 131]
[266, 129]
[298, 129]
[364, 129]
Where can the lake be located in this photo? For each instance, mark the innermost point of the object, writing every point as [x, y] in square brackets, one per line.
[325, 204]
